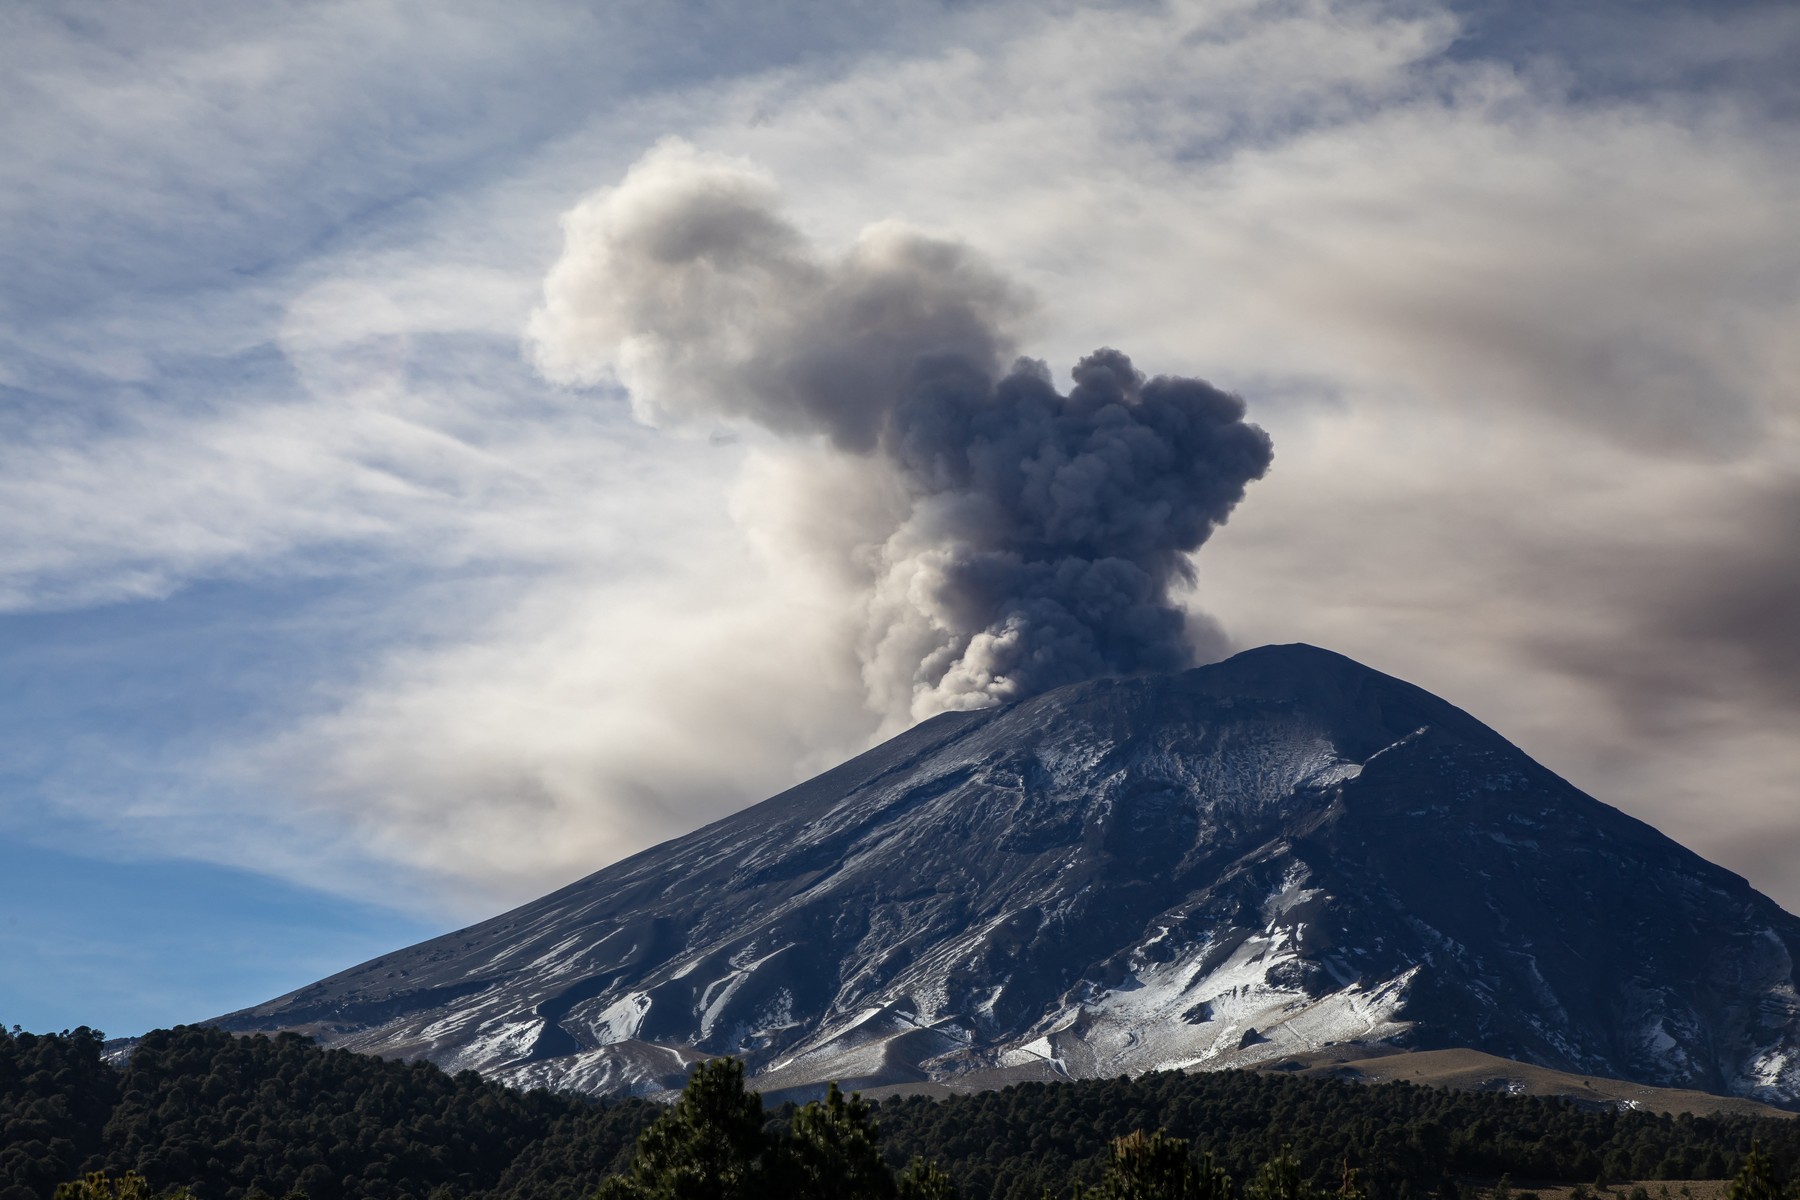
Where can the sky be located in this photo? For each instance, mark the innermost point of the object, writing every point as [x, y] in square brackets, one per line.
[387, 539]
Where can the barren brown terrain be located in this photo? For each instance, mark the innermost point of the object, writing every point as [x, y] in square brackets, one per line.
[1472, 1070]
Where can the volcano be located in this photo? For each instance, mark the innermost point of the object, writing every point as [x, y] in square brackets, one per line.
[1269, 855]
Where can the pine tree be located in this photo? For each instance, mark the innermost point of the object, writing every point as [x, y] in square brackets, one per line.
[1215, 1180]
[1279, 1179]
[709, 1146]
[1158, 1167]
[97, 1185]
[832, 1154]
[1756, 1180]
[925, 1180]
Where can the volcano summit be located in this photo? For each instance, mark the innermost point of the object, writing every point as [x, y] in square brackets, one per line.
[1271, 854]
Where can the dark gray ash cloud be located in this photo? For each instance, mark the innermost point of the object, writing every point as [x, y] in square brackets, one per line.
[1010, 537]
[1066, 519]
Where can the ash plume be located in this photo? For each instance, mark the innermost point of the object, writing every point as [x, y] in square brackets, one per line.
[1001, 536]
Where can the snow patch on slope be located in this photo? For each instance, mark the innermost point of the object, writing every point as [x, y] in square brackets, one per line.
[621, 1020]
[1236, 997]
[631, 1068]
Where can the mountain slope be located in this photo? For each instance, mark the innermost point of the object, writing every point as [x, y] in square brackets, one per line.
[1278, 852]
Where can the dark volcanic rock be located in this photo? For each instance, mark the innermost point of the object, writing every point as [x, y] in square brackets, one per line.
[1267, 855]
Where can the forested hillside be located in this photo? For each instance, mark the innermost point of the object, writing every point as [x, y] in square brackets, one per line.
[1404, 1140]
[226, 1115]
[229, 1116]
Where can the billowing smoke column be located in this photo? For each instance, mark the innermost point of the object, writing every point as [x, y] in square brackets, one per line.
[1060, 522]
[1008, 537]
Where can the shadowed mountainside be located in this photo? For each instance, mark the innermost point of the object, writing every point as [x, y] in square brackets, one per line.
[1266, 856]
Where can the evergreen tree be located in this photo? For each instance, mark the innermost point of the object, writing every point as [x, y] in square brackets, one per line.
[832, 1153]
[1158, 1167]
[1215, 1181]
[925, 1180]
[710, 1145]
[97, 1185]
[1756, 1180]
[1279, 1179]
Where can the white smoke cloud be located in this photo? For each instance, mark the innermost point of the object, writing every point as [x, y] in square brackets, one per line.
[687, 285]
[1014, 538]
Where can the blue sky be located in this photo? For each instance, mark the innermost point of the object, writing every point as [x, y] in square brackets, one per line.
[345, 598]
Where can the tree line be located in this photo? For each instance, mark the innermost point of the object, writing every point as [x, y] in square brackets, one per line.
[244, 1118]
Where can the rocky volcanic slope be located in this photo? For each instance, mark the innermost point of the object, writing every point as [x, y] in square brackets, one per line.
[1271, 854]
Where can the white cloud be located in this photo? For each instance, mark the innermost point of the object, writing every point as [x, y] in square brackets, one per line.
[592, 719]
[1526, 353]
